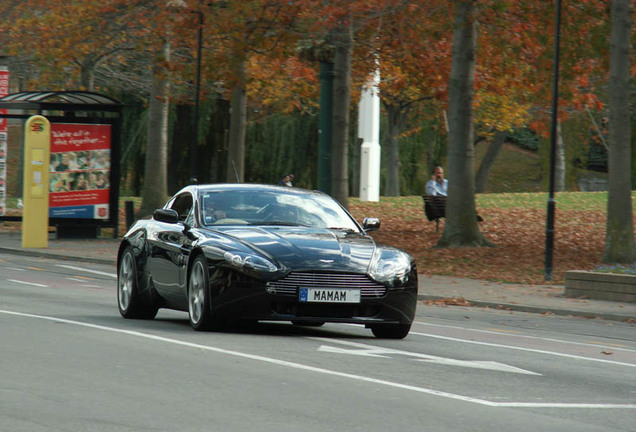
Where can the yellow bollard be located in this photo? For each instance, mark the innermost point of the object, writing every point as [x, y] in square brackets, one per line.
[37, 156]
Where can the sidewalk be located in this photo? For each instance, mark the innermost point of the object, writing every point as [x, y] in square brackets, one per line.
[441, 290]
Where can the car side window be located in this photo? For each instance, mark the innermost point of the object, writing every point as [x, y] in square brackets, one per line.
[183, 206]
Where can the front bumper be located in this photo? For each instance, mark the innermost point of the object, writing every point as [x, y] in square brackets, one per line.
[245, 298]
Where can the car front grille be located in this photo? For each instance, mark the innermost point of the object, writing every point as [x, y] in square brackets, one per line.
[289, 284]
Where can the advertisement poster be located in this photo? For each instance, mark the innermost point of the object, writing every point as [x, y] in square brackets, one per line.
[80, 171]
[4, 90]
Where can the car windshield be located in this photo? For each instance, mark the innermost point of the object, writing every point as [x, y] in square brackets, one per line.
[263, 207]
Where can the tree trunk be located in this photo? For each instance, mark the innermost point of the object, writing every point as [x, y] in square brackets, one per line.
[481, 178]
[559, 162]
[461, 218]
[238, 118]
[396, 117]
[216, 141]
[155, 188]
[354, 183]
[343, 42]
[87, 73]
[619, 238]
[178, 150]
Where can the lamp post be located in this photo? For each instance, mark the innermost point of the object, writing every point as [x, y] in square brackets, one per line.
[197, 85]
[549, 237]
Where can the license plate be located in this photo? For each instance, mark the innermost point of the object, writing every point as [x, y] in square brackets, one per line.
[329, 295]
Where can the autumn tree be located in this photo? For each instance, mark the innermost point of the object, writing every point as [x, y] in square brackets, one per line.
[414, 58]
[235, 32]
[70, 41]
[155, 186]
[343, 24]
[510, 54]
[619, 238]
[461, 218]
[107, 37]
[155, 183]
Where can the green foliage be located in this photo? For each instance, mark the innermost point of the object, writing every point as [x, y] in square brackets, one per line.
[419, 152]
[514, 170]
[524, 138]
[281, 144]
[133, 138]
[423, 145]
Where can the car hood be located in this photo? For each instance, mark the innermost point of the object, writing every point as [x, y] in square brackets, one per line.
[309, 248]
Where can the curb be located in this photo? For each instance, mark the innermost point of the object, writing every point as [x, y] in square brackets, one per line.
[56, 255]
[538, 309]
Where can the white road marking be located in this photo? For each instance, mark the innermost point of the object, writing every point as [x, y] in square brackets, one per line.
[525, 349]
[595, 345]
[325, 371]
[484, 364]
[359, 352]
[28, 283]
[372, 351]
[16, 269]
[113, 275]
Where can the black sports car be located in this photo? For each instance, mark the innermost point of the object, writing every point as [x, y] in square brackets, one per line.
[228, 252]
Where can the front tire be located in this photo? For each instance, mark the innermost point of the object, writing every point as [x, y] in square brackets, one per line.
[391, 331]
[129, 302]
[199, 311]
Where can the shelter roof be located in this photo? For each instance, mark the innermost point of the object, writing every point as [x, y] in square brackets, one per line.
[60, 100]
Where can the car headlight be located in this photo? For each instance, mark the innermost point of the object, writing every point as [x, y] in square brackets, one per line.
[248, 261]
[390, 266]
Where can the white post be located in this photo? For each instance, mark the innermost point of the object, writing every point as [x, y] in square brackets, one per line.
[369, 133]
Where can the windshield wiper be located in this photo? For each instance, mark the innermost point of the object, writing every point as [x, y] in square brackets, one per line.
[275, 222]
[348, 230]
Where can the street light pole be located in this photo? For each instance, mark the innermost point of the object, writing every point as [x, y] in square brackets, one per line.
[197, 85]
[549, 237]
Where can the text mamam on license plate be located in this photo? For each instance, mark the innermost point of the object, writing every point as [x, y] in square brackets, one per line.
[329, 295]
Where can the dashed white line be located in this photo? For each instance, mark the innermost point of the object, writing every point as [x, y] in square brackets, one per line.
[522, 336]
[553, 353]
[113, 275]
[326, 371]
[28, 283]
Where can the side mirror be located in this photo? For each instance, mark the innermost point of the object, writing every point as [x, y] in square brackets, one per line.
[166, 215]
[371, 224]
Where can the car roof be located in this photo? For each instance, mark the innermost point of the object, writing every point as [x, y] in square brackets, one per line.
[229, 187]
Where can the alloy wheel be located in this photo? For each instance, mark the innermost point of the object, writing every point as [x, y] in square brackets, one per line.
[125, 281]
[196, 292]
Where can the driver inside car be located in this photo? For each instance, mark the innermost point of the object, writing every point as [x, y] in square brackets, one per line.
[283, 213]
[211, 213]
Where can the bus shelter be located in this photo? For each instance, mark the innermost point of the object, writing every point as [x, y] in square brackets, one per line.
[84, 164]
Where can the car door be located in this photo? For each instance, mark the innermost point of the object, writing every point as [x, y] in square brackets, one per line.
[170, 249]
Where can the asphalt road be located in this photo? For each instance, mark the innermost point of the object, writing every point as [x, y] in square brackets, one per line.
[69, 362]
